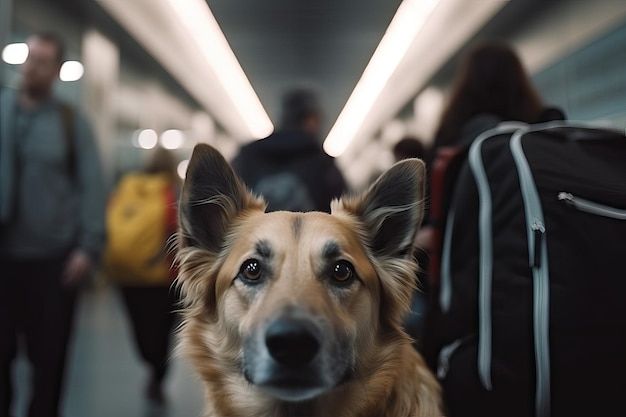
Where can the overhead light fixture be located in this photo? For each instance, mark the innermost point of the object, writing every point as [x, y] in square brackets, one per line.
[196, 16]
[172, 139]
[71, 71]
[404, 27]
[15, 53]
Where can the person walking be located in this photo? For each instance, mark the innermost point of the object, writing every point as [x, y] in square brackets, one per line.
[141, 222]
[51, 224]
[289, 168]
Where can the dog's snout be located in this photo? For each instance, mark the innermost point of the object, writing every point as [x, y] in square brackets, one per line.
[291, 342]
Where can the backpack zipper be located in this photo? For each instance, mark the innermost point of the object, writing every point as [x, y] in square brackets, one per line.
[592, 207]
[538, 230]
[538, 254]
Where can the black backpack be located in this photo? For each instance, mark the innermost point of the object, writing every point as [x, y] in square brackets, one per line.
[530, 313]
[284, 190]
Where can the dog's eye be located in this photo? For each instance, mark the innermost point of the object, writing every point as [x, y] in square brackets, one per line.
[251, 270]
[343, 272]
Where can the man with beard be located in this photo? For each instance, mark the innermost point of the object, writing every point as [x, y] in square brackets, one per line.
[51, 223]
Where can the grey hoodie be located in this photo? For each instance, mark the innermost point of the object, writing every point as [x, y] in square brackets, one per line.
[45, 209]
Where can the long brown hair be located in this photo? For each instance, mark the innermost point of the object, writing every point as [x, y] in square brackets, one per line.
[491, 80]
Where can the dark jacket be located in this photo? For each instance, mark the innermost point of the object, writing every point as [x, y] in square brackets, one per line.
[291, 171]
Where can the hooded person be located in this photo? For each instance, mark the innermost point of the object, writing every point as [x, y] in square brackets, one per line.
[289, 168]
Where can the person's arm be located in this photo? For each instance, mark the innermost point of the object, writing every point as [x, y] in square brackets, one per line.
[91, 204]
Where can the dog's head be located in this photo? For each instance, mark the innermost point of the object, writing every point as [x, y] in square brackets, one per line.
[297, 303]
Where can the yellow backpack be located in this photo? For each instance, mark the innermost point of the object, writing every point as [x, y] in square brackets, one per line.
[139, 218]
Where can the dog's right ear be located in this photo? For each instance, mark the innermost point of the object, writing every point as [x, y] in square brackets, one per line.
[392, 209]
[212, 197]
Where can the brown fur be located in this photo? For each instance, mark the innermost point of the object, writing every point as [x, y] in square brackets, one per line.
[387, 378]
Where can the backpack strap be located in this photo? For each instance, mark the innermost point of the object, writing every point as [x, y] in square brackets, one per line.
[68, 120]
[485, 244]
[444, 172]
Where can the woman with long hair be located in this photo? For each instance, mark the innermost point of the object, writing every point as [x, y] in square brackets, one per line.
[492, 85]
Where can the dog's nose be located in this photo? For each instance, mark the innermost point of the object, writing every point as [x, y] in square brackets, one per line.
[291, 342]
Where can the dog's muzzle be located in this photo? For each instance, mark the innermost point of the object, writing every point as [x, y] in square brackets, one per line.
[295, 356]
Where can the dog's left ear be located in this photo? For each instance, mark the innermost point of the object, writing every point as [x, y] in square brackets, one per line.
[392, 209]
[212, 196]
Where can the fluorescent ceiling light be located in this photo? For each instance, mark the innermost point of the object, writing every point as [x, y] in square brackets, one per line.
[172, 139]
[196, 16]
[402, 30]
[147, 139]
[71, 71]
[15, 53]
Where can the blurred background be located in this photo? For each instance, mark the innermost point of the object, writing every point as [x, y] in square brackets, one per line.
[179, 72]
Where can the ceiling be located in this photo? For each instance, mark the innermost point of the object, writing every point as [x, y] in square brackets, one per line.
[324, 44]
[280, 44]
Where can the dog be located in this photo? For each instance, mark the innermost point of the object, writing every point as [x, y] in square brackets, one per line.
[299, 314]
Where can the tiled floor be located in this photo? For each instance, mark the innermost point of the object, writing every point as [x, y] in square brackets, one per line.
[105, 377]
